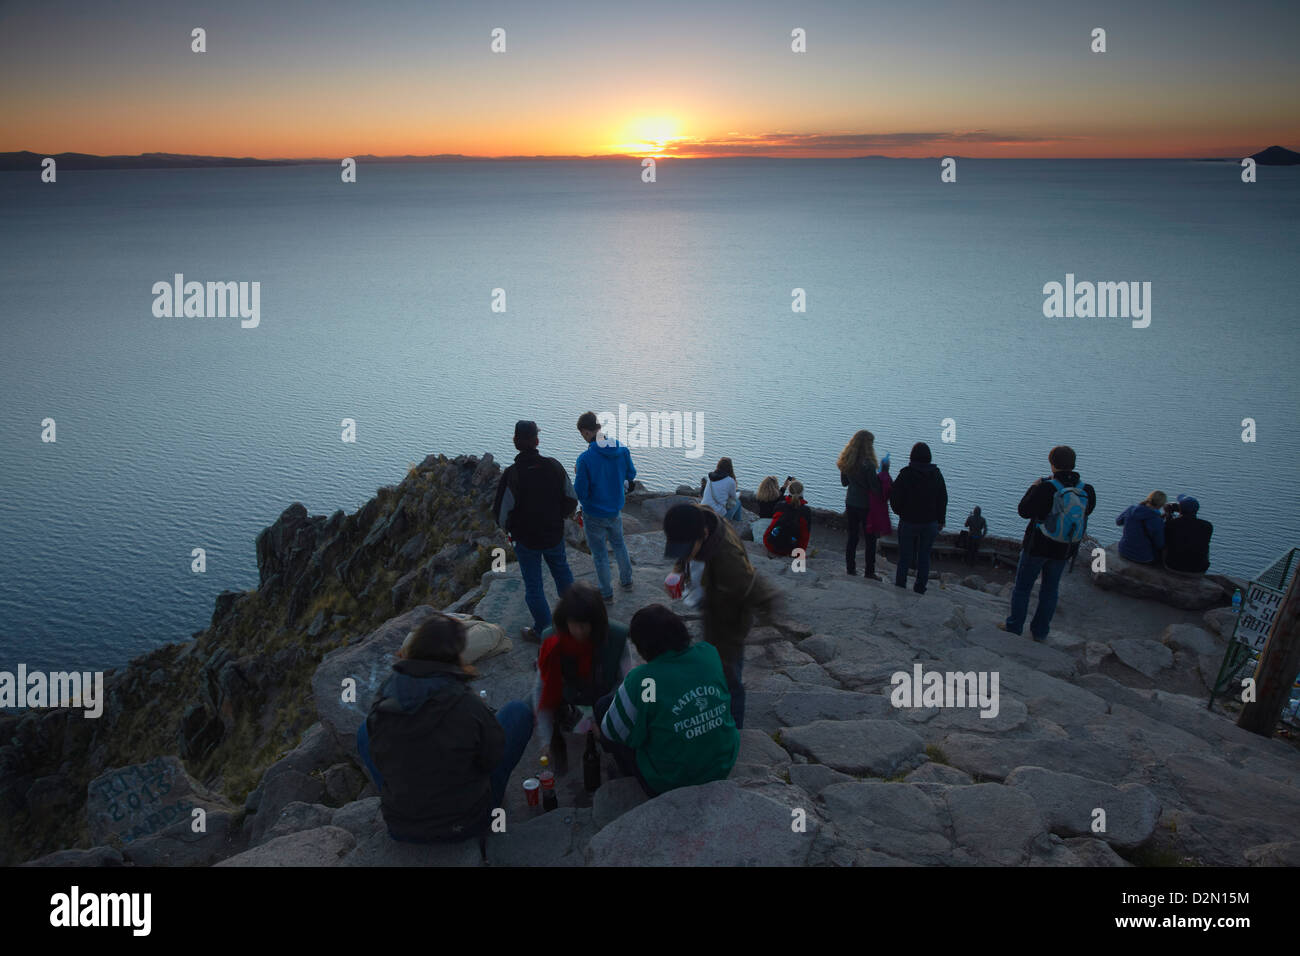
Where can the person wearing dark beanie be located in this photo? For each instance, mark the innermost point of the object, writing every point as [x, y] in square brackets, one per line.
[920, 499]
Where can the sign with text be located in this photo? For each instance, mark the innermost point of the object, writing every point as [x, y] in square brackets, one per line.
[1256, 617]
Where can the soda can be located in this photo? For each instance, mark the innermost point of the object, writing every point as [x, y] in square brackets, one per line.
[532, 791]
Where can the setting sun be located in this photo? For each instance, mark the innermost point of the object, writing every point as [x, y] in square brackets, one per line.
[650, 134]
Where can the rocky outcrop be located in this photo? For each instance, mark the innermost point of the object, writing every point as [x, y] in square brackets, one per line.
[1194, 592]
[231, 699]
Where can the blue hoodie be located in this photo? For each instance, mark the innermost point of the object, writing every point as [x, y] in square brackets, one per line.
[602, 473]
[1144, 534]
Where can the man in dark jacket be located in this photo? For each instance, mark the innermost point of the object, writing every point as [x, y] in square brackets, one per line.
[1044, 554]
[533, 498]
[439, 757]
[1187, 537]
[920, 499]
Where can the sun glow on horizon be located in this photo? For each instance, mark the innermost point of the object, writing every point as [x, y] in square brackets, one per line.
[650, 135]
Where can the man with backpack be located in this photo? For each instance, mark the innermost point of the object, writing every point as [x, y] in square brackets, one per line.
[1057, 509]
[791, 524]
[533, 498]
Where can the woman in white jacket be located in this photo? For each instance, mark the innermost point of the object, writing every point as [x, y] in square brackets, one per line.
[721, 493]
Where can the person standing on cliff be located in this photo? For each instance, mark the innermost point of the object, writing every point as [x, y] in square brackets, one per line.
[866, 502]
[1057, 509]
[920, 499]
[604, 474]
[533, 498]
[732, 589]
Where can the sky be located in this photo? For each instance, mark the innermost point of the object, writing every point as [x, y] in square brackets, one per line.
[325, 78]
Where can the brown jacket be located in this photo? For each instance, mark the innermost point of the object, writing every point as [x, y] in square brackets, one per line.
[732, 588]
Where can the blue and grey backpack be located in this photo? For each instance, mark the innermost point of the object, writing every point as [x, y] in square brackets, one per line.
[1068, 519]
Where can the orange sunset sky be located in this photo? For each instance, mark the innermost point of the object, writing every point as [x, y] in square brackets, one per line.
[329, 79]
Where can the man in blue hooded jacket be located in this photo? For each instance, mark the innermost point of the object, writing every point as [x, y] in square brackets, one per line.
[605, 472]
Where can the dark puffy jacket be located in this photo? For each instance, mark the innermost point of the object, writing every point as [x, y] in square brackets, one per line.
[435, 743]
[1037, 505]
[1143, 537]
[919, 495]
[533, 498]
[1187, 544]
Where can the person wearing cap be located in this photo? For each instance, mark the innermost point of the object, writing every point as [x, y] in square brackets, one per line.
[731, 587]
[604, 474]
[1187, 537]
[920, 499]
[436, 752]
[533, 498]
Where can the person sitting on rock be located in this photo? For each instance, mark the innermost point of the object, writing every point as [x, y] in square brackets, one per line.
[584, 655]
[1187, 537]
[791, 524]
[1057, 509]
[721, 492]
[732, 589]
[533, 498]
[866, 502]
[976, 529]
[683, 733]
[769, 495]
[438, 755]
[1144, 530]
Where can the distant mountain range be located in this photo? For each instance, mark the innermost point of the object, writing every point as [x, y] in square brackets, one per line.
[26, 160]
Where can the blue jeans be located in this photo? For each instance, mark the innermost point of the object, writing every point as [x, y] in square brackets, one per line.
[1027, 572]
[734, 513]
[918, 537]
[515, 718]
[599, 532]
[530, 565]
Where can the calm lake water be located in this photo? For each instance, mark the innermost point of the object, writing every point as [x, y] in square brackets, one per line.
[924, 302]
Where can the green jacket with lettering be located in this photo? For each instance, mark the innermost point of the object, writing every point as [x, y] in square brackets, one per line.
[685, 735]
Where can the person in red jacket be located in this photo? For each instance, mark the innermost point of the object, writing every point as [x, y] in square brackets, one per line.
[791, 524]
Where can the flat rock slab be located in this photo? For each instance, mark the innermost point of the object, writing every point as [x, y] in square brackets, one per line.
[379, 849]
[1148, 658]
[324, 846]
[1023, 649]
[995, 824]
[1069, 805]
[896, 820]
[1191, 592]
[715, 824]
[180, 845]
[552, 839]
[875, 748]
[144, 798]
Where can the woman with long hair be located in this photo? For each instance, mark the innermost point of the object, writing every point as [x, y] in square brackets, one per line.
[865, 502]
[584, 655]
[721, 492]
